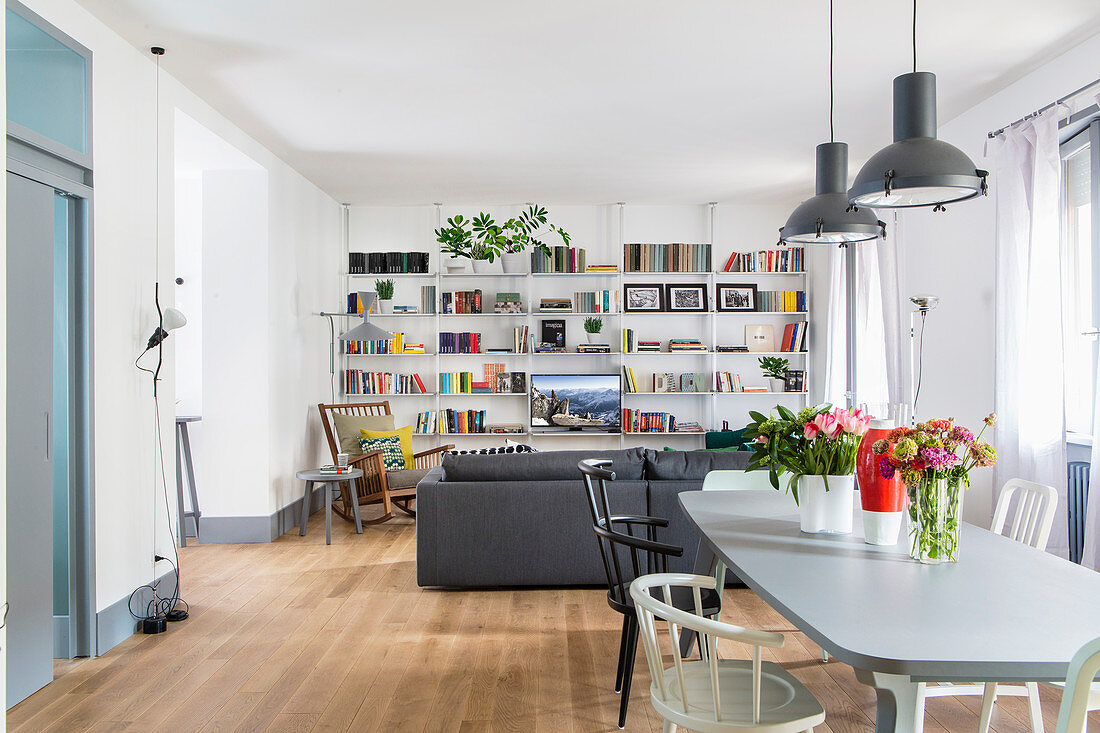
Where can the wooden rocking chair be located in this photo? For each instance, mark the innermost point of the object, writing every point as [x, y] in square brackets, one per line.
[374, 486]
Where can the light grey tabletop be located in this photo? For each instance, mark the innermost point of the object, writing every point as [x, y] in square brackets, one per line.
[314, 474]
[1003, 612]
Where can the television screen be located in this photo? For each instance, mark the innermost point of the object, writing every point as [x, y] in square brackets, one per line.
[575, 402]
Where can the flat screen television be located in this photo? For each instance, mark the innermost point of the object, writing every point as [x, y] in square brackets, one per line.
[589, 402]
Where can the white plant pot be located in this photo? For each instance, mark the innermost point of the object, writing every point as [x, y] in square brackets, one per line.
[455, 265]
[881, 528]
[826, 512]
[776, 385]
[385, 306]
[514, 262]
[482, 266]
[594, 338]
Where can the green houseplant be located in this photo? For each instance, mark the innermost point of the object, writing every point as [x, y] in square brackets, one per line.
[593, 325]
[775, 371]
[384, 289]
[482, 240]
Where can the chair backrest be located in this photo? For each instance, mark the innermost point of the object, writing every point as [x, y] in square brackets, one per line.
[360, 408]
[625, 556]
[1075, 698]
[650, 609]
[735, 480]
[1035, 507]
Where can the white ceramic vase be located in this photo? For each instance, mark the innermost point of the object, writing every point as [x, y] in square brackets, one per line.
[385, 306]
[482, 266]
[454, 265]
[826, 512]
[514, 262]
[776, 385]
[594, 338]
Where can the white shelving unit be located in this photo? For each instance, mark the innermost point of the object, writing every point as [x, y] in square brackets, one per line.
[711, 327]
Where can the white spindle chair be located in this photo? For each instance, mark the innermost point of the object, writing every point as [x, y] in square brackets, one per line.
[1079, 696]
[733, 480]
[1035, 506]
[711, 695]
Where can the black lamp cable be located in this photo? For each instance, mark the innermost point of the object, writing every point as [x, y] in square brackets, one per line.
[914, 36]
[832, 136]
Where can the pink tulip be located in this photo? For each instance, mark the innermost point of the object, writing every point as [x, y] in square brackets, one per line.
[811, 430]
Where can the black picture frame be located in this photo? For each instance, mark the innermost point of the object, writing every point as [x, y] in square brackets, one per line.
[686, 298]
[726, 300]
[639, 298]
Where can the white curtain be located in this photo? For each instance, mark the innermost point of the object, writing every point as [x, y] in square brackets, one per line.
[1090, 555]
[836, 335]
[1028, 383]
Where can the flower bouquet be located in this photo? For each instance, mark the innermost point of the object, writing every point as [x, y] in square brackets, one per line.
[935, 459]
[817, 447]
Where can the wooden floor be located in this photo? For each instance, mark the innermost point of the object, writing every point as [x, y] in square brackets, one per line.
[297, 636]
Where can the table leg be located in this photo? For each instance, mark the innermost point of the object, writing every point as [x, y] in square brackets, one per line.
[189, 464]
[328, 512]
[307, 504]
[896, 710]
[349, 486]
[179, 489]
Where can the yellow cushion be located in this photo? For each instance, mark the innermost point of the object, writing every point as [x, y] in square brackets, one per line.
[348, 427]
[406, 436]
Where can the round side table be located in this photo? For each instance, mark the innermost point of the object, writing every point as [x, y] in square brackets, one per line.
[331, 480]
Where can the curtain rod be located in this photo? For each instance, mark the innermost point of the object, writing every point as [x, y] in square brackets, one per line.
[1039, 111]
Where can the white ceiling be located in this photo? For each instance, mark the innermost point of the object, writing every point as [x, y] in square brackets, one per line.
[579, 101]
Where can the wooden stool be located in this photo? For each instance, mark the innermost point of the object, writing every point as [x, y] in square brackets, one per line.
[330, 480]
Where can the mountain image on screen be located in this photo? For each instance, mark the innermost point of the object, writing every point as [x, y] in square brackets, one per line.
[575, 401]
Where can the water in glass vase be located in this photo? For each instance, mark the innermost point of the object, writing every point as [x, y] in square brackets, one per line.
[935, 514]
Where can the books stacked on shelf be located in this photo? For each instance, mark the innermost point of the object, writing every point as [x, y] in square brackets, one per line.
[508, 303]
[456, 382]
[511, 382]
[425, 423]
[509, 428]
[727, 382]
[639, 421]
[331, 470]
[357, 381]
[666, 382]
[731, 349]
[789, 259]
[461, 301]
[461, 421]
[648, 346]
[596, 301]
[427, 299]
[686, 345]
[602, 268]
[395, 345]
[678, 257]
[406, 309]
[688, 427]
[785, 301]
[462, 342]
[520, 339]
[593, 348]
[560, 259]
[794, 381]
[387, 263]
[413, 349]
[555, 305]
[543, 347]
[794, 337]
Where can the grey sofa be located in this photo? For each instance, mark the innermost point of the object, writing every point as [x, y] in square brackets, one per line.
[522, 519]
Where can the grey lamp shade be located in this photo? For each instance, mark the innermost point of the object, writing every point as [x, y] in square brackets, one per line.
[826, 218]
[916, 169]
[366, 331]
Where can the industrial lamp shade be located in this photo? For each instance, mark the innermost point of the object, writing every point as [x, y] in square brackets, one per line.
[366, 331]
[916, 169]
[826, 218]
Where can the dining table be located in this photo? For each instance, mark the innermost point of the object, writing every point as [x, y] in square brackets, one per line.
[1004, 612]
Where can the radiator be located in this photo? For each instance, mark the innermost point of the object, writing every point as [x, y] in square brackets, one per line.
[1077, 497]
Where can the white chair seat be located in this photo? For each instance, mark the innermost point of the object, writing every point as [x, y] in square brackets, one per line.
[785, 705]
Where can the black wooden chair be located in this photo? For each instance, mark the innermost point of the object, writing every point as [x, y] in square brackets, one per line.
[641, 555]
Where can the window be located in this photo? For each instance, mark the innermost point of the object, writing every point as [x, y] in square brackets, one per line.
[1081, 298]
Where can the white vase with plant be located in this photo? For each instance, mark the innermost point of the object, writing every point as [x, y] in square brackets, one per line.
[483, 241]
[817, 447]
[384, 289]
[775, 371]
[593, 325]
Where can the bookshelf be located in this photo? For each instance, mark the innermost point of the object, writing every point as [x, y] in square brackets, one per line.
[708, 407]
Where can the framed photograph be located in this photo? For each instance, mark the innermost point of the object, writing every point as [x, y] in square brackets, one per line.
[735, 297]
[643, 298]
[686, 297]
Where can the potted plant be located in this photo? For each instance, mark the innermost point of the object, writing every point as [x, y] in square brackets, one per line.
[775, 371]
[483, 241]
[817, 447]
[935, 459]
[592, 327]
[384, 289]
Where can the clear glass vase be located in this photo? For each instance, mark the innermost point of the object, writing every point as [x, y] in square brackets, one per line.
[935, 514]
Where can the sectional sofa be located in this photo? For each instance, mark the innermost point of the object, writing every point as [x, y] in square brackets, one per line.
[522, 519]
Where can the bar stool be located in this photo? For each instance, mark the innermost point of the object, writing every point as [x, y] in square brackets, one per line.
[330, 480]
[183, 460]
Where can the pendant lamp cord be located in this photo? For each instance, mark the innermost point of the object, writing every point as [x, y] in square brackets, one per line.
[914, 36]
[832, 136]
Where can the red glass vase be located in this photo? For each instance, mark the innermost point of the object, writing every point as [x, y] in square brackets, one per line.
[882, 499]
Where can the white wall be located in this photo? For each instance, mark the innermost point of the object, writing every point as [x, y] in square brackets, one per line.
[951, 254]
[124, 140]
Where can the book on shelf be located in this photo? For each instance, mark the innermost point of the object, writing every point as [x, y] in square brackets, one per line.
[552, 332]
[456, 382]
[794, 338]
[641, 421]
[331, 470]
[387, 263]
[593, 348]
[756, 388]
[508, 303]
[413, 349]
[546, 348]
[788, 259]
[462, 342]
[555, 305]
[727, 382]
[602, 268]
[406, 309]
[731, 349]
[461, 301]
[480, 388]
[781, 301]
[596, 301]
[686, 345]
[674, 257]
[561, 259]
[358, 381]
[425, 423]
[648, 346]
[520, 339]
[505, 428]
[794, 381]
[395, 345]
[427, 299]
[461, 421]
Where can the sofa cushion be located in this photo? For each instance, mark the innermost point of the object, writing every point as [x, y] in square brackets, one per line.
[405, 479]
[691, 465]
[545, 466]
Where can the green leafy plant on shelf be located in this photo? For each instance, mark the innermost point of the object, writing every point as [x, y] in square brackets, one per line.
[384, 288]
[774, 367]
[481, 238]
[593, 324]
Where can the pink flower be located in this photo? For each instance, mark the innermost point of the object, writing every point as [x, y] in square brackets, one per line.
[938, 458]
[811, 430]
[885, 468]
[829, 425]
[761, 439]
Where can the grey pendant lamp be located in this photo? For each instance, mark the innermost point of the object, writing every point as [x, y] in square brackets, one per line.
[366, 331]
[916, 169]
[827, 218]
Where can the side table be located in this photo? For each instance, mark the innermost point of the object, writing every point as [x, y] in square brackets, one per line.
[331, 481]
[184, 461]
